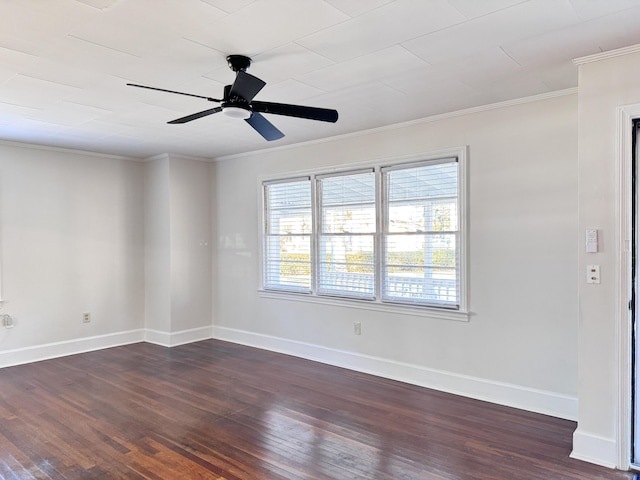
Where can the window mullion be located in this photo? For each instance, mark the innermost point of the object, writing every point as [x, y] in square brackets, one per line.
[315, 221]
[381, 215]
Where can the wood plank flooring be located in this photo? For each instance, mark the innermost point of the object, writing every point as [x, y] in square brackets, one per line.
[216, 410]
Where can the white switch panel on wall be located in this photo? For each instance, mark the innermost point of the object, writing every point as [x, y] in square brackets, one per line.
[591, 240]
[593, 273]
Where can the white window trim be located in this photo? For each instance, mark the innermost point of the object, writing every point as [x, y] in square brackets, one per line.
[460, 314]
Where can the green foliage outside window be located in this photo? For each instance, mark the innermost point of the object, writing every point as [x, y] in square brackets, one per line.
[299, 264]
[295, 264]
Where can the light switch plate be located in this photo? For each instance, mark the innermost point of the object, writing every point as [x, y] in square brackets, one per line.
[591, 240]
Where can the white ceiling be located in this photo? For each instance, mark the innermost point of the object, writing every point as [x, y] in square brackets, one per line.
[64, 64]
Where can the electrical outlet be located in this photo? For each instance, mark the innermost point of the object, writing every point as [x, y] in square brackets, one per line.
[593, 273]
[86, 317]
[357, 328]
[7, 321]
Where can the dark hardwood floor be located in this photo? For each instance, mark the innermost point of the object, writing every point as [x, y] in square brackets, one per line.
[215, 410]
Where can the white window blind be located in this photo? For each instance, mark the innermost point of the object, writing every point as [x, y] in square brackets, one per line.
[288, 228]
[389, 234]
[347, 229]
[421, 234]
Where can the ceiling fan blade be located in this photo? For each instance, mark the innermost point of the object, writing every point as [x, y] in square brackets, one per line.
[173, 91]
[312, 113]
[195, 116]
[264, 127]
[246, 86]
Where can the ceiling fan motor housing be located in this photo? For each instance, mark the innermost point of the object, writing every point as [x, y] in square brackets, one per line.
[234, 106]
[238, 62]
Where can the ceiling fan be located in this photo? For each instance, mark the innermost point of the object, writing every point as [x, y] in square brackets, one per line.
[237, 102]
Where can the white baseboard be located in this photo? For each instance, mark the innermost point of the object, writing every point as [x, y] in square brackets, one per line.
[37, 353]
[517, 396]
[172, 339]
[594, 449]
[540, 401]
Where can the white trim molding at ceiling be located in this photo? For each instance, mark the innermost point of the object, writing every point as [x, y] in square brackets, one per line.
[51, 148]
[410, 123]
[175, 156]
[596, 57]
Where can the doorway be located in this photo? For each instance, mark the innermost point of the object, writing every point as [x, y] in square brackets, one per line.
[633, 305]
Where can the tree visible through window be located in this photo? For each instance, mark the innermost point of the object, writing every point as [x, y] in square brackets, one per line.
[347, 235]
[401, 244]
[287, 236]
[421, 234]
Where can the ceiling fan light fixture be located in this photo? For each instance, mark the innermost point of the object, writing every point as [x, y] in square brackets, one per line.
[236, 112]
[237, 102]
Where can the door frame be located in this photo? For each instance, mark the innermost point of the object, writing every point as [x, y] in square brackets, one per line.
[626, 114]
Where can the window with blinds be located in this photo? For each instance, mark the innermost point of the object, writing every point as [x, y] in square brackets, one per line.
[421, 234]
[287, 235]
[346, 238]
[388, 234]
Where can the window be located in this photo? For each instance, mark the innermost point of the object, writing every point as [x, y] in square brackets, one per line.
[287, 239]
[346, 235]
[421, 234]
[388, 234]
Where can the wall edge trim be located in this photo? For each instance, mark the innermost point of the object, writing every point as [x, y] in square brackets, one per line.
[407, 124]
[47, 351]
[594, 449]
[510, 395]
[53, 148]
[173, 339]
[596, 57]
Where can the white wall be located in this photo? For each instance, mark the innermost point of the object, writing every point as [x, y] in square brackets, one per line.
[157, 243]
[72, 241]
[520, 346]
[190, 244]
[603, 86]
[127, 241]
[178, 223]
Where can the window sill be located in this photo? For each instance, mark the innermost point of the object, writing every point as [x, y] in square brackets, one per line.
[417, 311]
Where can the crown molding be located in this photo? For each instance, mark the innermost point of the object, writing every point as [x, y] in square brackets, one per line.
[177, 156]
[410, 123]
[596, 57]
[51, 148]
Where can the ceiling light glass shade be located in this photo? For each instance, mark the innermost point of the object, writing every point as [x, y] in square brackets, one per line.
[236, 112]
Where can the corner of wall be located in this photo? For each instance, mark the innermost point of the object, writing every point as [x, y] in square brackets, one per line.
[594, 449]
